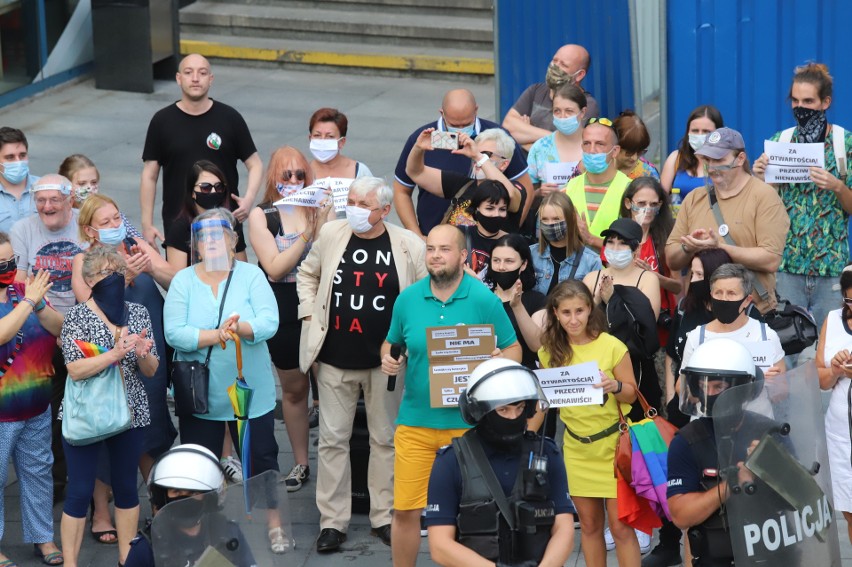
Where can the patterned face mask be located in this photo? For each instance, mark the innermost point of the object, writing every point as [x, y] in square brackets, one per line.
[812, 124]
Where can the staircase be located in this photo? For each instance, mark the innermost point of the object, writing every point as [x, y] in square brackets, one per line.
[422, 38]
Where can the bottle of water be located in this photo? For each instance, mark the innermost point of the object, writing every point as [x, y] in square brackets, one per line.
[676, 201]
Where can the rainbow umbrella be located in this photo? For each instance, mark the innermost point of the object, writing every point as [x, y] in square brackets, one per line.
[240, 395]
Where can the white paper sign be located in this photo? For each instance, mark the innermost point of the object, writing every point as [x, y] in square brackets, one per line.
[762, 352]
[559, 172]
[310, 196]
[339, 189]
[571, 385]
[789, 163]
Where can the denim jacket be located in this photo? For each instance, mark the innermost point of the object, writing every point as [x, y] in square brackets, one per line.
[589, 262]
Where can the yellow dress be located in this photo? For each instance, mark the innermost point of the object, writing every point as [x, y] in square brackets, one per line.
[590, 466]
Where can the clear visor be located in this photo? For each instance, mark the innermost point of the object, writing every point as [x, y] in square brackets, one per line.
[517, 386]
[700, 388]
[212, 244]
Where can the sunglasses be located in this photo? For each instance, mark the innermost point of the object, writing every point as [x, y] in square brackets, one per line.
[602, 121]
[205, 187]
[847, 300]
[288, 174]
[10, 263]
[491, 154]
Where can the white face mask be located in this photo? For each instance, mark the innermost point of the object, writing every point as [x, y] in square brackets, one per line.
[358, 219]
[324, 150]
[697, 140]
[618, 259]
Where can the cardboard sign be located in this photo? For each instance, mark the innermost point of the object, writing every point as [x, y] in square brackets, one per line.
[559, 173]
[571, 385]
[310, 196]
[339, 189]
[453, 353]
[789, 163]
[762, 352]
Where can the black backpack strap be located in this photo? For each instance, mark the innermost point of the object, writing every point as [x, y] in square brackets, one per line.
[477, 471]
[577, 257]
[273, 218]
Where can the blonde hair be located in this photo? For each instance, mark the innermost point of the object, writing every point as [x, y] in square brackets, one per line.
[87, 212]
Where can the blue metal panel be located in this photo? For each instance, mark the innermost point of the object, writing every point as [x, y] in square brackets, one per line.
[527, 34]
[739, 55]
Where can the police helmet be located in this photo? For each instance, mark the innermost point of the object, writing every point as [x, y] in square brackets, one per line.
[499, 382]
[185, 467]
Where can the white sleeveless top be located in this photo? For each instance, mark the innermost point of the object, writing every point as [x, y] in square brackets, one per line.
[837, 339]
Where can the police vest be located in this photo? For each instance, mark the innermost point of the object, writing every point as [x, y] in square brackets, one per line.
[610, 208]
[482, 526]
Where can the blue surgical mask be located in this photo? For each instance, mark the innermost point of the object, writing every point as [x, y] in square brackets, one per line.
[595, 163]
[566, 126]
[470, 129]
[112, 236]
[16, 171]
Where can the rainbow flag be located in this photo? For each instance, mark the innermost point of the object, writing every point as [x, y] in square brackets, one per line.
[90, 350]
[649, 465]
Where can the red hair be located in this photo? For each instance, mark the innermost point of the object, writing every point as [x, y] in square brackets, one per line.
[278, 162]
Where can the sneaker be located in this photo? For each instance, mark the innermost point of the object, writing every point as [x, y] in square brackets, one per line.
[608, 539]
[662, 556]
[644, 542]
[423, 531]
[298, 475]
[313, 417]
[232, 468]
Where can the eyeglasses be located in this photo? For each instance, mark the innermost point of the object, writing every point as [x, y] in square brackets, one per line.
[215, 235]
[53, 201]
[5, 264]
[365, 207]
[715, 168]
[491, 154]
[643, 204]
[217, 187]
[288, 174]
[602, 121]
[108, 272]
[846, 300]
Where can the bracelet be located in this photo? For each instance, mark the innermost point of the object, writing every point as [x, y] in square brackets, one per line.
[481, 161]
[683, 247]
[304, 238]
[620, 386]
[41, 305]
[31, 302]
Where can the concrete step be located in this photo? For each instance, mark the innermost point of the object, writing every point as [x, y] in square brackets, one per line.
[474, 8]
[387, 60]
[385, 27]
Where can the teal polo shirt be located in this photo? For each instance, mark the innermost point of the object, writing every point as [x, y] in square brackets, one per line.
[417, 309]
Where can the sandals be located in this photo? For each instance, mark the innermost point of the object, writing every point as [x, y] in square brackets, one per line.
[8, 563]
[98, 537]
[278, 541]
[52, 558]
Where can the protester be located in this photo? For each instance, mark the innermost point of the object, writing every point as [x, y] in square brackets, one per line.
[16, 181]
[121, 331]
[633, 139]
[684, 169]
[347, 285]
[560, 254]
[575, 333]
[27, 330]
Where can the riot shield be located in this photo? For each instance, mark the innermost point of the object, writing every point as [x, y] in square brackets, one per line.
[779, 509]
[224, 530]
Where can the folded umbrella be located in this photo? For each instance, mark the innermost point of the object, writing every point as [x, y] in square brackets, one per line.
[240, 395]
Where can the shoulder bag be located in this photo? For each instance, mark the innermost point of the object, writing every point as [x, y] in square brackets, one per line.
[191, 378]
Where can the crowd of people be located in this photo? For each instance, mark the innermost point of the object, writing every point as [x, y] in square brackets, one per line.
[553, 228]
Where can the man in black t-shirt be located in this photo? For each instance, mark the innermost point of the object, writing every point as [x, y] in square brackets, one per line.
[347, 287]
[194, 128]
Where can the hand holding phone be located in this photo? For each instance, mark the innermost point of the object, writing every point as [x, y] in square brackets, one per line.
[445, 140]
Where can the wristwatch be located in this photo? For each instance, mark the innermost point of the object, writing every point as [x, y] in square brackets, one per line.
[481, 161]
[620, 386]
[683, 247]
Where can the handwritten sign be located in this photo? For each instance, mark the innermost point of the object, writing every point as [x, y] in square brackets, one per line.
[453, 354]
[559, 173]
[762, 352]
[789, 163]
[571, 385]
[339, 190]
[310, 196]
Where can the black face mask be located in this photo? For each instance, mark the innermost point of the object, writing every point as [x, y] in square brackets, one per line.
[503, 434]
[210, 200]
[726, 311]
[700, 290]
[504, 279]
[811, 123]
[491, 225]
[109, 296]
[186, 514]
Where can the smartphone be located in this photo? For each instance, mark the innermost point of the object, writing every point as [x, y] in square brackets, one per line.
[848, 365]
[445, 140]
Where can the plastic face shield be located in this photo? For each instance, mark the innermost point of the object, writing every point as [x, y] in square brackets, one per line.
[212, 244]
[698, 392]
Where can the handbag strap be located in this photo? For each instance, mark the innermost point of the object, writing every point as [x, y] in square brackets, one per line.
[577, 257]
[720, 220]
[221, 308]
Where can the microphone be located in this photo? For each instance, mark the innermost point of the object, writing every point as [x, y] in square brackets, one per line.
[395, 352]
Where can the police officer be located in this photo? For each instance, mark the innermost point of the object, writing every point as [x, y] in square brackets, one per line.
[189, 475]
[499, 494]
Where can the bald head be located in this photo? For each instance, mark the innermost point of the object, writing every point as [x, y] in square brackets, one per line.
[459, 108]
[447, 234]
[194, 77]
[193, 60]
[573, 59]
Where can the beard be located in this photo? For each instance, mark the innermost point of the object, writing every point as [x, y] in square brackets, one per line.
[444, 276]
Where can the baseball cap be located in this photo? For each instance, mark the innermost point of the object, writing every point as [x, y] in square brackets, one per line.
[626, 229]
[719, 142]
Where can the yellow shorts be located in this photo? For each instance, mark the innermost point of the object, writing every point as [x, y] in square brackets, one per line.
[415, 449]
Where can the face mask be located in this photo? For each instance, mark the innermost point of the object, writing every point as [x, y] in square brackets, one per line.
[186, 514]
[812, 124]
[644, 214]
[358, 219]
[209, 200]
[16, 171]
[556, 76]
[112, 236]
[566, 126]
[503, 434]
[8, 276]
[696, 141]
[504, 280]
[324, 150]
[491, 225]
[700, 290]
[109, 296]
[555, 232]
[478, 174]
[595, 163]
[726, 311]
[287, 190]
[82, 192]
[618, 259]
[470, 129]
